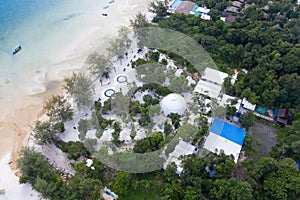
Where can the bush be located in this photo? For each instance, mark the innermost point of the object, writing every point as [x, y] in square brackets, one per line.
[152, 143]
[138, 62]
[73, 149]
[98, 106]
[60, 127]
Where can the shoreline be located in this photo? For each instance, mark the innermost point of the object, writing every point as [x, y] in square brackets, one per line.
[21, 111]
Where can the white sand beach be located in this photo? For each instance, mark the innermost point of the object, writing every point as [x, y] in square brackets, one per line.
[21, 103]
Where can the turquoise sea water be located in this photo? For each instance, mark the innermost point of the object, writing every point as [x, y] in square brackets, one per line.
[14, 13]
[43, 28]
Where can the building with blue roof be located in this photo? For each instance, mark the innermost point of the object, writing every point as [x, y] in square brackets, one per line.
[226, 137]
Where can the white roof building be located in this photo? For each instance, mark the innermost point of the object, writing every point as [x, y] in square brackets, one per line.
[205, 17]
[207, 88]
[173, 103]
[211, 83]
[215, 143]
[226, 137]
[182, 149]
[214, 76]
[246, 104]
[203, 10]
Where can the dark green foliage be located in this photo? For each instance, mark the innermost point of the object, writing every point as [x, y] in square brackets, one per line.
[167, 128]
[138, 62]
[116, 134]
[159, 90]
[73, 149]
[149, 100]
[159, 8]
[97, 106]
[175, 118]
[32, 165]
[153, 56]
[122, 184]
[247, 120]
[45, 132]
[134, 108]
[289, 141]
[106, 106]
[271, 55]
[163, 91]
[60, 127]
[152, 143]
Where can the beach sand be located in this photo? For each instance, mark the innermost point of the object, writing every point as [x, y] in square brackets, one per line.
[20, 110]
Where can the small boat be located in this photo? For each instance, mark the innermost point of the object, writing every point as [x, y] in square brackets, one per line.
[17, 49]
[104, 14]
[105, 7]
[111, 1]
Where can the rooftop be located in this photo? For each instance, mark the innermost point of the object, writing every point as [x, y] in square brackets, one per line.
[237, 4]
[232, 9]
[214, 76]
[226, 137]
[203, 10]
[185, 7]
[182, 148]
[246, 104]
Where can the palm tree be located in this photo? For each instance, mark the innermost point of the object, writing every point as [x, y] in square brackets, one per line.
[99, 65]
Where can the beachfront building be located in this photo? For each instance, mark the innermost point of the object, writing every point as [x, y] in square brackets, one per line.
[225, 137]
[173, 103]
[211, 83]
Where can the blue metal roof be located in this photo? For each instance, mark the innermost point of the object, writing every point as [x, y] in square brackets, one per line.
[228, 131]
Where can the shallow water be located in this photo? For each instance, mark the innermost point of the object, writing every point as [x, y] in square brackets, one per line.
[56, 36]
[45, 30]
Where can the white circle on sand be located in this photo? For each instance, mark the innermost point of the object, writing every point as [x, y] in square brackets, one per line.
[109, 92]
[121, 78]
[173, 103]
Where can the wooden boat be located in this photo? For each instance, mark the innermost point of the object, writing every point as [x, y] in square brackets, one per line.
[17, 49]
[111, 1]
[105, 7]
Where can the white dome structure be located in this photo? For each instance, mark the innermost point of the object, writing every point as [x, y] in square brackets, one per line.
[173, 103]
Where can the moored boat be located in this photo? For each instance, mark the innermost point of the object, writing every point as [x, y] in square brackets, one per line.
[17, 49]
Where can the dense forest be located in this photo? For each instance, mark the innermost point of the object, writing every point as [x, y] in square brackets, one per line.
[268, 48]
